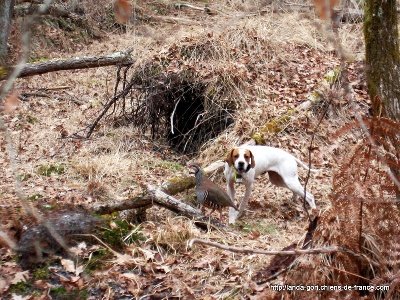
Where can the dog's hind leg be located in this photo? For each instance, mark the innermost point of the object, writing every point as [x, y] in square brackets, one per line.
[297, 189]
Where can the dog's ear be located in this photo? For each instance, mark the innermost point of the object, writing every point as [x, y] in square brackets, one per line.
[253, 163]
[229, 158]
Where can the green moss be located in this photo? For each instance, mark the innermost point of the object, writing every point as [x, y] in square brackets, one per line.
[61, 293]
[316, 96]
[3, 72]
[51, 169]
[37, 59]
[98, 260]
[23, 177]
[41, 274]
[32, 120]
[178, 184]
[171, 165]
[35, 197]
[116, 236]
[264, 229]
[274, 126]
[21, 288]
[333, 76]
[258, 138]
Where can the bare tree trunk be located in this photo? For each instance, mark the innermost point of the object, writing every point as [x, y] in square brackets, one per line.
[382, 57]
[6, 7]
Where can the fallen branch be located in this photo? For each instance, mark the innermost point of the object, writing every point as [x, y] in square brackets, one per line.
[175, 20]
[181, 208]
[265, 252]
[173, 204]
[110, 207]
[180, 5]
[282, 252]
[73, 64]
[206, 9]
[161, 196]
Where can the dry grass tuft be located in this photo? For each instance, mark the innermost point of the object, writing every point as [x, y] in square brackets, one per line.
[172, 234]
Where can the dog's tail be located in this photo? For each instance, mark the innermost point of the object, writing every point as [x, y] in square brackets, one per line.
[305, 166]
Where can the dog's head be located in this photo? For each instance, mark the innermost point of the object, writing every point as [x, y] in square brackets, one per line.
[241, 159]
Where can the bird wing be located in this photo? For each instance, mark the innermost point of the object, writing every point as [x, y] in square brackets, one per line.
[220, 195]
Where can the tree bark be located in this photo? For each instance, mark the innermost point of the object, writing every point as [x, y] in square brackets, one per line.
[6, 8]
[382, 57]
[74, 63]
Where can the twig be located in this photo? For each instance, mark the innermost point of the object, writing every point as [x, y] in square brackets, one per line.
[172, 116]
[346, 272]
[176, 20]
[282, 252]
[265, 252]
[206, 9]
[61, 87]
[107, 107]
[310, 149]
[298, 4]
[180, 5]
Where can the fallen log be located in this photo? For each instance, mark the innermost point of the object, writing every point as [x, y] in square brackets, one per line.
[173, 204]
[181, 208]
[161, 196]
[85, 62]
[110, 207]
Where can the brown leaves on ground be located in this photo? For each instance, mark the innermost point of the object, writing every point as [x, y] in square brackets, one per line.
[275, 72]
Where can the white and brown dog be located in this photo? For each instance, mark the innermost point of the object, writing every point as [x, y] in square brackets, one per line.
[248, 162]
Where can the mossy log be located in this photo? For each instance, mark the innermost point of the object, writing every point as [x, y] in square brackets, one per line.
[170, 187]
[279, 124]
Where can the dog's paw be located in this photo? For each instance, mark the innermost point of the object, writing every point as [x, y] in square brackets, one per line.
[233, 215]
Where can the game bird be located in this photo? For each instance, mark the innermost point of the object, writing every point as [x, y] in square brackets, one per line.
[209, 194]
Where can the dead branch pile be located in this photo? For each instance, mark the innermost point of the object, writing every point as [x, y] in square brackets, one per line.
[187, 93]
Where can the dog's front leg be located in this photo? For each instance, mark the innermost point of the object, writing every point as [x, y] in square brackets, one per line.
[249, 187]
[233, 214]
[230, 188]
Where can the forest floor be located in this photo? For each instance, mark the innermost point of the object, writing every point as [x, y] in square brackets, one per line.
[54, 171]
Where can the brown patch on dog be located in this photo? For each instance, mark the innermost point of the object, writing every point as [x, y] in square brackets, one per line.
[249, 156]
[232, 156]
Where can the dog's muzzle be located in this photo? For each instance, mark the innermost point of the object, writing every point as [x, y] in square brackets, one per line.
[241, 167]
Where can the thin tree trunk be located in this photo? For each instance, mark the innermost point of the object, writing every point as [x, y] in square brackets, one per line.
[6, 7]
[382, 57]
